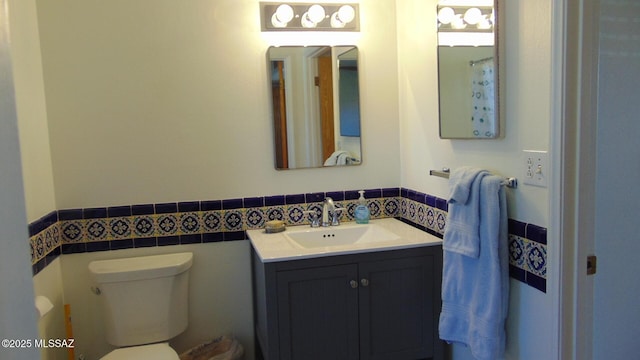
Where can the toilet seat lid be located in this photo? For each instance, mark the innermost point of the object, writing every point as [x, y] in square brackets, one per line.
[160, 351]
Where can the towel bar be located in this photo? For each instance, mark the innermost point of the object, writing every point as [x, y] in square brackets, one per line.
[510, 182]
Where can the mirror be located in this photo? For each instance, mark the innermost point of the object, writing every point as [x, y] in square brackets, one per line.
[468, 71]
[316, 106]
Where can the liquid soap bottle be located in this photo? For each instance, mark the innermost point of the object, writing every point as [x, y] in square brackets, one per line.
[362, 210]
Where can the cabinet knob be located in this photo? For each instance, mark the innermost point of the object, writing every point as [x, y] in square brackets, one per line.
[364, 282]
[353, 283]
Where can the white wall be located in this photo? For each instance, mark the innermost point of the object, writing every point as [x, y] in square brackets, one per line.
[17, 312]
[527, 101]
[31, 107]
[158, 101]
[36, 156]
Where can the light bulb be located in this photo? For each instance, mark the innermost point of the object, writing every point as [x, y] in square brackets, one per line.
[282, 16]
[284, 13]
[446, 15]
[472, 16]
[316, 13]
[306, 22]
[346, 13]
[458, 23]
[484, 23]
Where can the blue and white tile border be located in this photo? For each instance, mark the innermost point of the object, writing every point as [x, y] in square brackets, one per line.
[146, 225]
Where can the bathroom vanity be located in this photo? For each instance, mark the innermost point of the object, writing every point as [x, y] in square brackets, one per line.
[355, 298]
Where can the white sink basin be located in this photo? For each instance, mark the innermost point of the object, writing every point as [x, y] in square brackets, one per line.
[340, 235]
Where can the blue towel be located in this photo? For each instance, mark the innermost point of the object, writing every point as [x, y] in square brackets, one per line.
[463, 221]
[475, 290]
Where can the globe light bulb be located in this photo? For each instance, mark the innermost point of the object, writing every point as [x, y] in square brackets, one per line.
[284, 13]
[473, 16]
[316, 13]
[282, 16]
[346, 13]
[446, 15]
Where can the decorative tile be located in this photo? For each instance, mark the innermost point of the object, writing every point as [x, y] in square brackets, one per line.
[71, 231]
[274, 213]
[404, 208]
[189, 223]
[143, 226]
[391, 207]
[536, 258]
[96, 229]
[50, 242]
[430, 218]
[120, 228]
[32, 246]
[441, 221]
[412, 211]
[40, 246]
[350, 213]
[295, 215]
[421, 215]
[375, 208]
[232, 220]
[212, 221]
[516, 251]
[255, 218]
[167, 224]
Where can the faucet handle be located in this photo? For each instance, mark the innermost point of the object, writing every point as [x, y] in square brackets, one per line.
[315, 222]
[335, 219]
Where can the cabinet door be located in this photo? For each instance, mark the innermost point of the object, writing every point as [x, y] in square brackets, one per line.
[318, 313]
[397, 308]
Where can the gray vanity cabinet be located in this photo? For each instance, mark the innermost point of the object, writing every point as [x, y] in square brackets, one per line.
[379, 305]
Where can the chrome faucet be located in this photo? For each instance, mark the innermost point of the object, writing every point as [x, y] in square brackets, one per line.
[327, 206]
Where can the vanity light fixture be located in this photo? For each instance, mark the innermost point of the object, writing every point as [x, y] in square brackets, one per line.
[468, 19]
[309, 16]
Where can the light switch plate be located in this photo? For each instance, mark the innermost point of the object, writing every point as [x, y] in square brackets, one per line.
[536, 168]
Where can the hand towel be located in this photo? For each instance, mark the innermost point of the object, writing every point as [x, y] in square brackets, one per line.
[339, 157]
[463, 220]
[475, 290]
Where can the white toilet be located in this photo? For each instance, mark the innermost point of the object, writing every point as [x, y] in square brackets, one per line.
[144, 303]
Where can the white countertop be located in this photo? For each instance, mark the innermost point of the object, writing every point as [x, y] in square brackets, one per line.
[278, 247]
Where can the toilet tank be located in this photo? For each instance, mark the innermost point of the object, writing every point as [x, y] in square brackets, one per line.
[144, 299]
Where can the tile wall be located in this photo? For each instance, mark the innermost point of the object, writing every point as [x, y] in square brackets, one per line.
[144, 225]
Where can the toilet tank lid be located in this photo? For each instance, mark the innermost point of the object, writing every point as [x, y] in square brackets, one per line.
[140, 268]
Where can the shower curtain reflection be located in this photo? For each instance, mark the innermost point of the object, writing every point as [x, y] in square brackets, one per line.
[483, 98]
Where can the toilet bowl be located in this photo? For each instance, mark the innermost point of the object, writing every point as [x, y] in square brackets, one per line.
[144, 302]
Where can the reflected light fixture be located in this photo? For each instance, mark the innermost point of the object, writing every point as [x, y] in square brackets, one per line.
[460, 25]
[309, 16]
[465, 18]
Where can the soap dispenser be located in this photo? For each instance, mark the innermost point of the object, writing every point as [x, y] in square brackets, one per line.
[362, 210]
